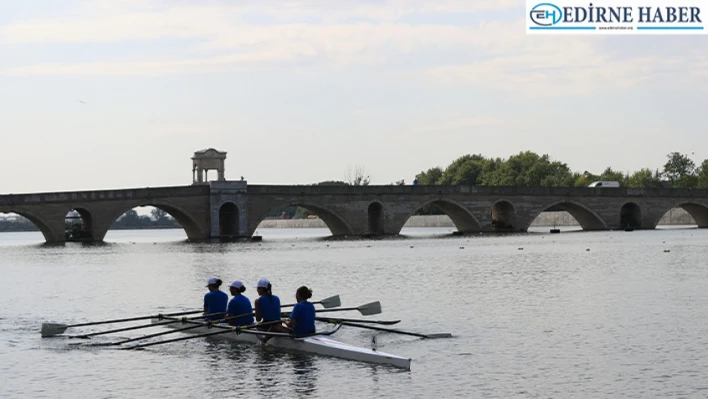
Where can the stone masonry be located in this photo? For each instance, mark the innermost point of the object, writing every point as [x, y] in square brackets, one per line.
[234, 208]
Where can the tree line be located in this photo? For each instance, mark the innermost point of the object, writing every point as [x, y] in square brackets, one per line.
[529, 169]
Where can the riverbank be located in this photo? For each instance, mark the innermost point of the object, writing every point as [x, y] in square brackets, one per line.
[676, 216]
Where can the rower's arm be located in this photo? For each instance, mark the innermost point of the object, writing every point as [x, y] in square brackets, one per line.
[290, 323]
[257, 309]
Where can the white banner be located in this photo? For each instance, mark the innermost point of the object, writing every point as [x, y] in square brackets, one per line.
[616, 17]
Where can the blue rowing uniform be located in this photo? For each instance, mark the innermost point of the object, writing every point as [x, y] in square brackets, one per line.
[304, 315]
[239, 304]
[269, 307]
[215, 302]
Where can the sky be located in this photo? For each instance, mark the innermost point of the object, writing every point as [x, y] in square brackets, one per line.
[115, 94]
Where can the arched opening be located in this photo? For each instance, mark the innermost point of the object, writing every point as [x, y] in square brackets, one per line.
[375, 217]
[17, 228]
[228, 220]
[569, 216]
[78, 225]
[149, 223]
[443, 215]
[630, 216]
[503, 216]
[685, 215]
[279, 220]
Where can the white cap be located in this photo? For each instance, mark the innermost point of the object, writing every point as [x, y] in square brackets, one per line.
[263, 283]
[212, 281]
[236, 284]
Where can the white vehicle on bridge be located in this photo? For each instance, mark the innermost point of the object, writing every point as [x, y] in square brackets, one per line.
[605, 184]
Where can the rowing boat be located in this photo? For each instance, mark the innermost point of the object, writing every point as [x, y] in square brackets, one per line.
[317, 344]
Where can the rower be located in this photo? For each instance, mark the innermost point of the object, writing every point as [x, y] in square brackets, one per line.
[267, 305]
[302, 318]
[239, 305]
[215, 300]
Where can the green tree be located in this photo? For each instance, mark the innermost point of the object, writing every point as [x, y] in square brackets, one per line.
[703, 175]
[467, 169]
[644, 178]
[529, 169]
[678, 166]
[613, 175]
[430, 177]
[130, 218]
[158, 214]
[686, 181]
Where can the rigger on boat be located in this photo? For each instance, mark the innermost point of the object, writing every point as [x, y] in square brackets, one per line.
[284, 330]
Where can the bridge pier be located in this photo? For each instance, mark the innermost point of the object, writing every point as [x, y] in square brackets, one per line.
[233, 209]
[228, 212]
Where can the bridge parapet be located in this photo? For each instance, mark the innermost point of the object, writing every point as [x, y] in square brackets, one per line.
[104, 195]
[478, 190]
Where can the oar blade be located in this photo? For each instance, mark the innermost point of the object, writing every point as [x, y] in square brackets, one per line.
[331, 302]
[370, 308]
[52, 329]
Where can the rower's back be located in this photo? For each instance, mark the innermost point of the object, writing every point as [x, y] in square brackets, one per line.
[304, 315]
[269, 307]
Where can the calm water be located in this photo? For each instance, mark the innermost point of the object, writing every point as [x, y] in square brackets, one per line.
[552, 320]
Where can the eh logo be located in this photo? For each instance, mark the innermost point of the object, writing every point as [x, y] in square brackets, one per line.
[546, 14]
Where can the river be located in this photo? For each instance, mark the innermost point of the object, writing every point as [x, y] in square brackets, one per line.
[536, 315]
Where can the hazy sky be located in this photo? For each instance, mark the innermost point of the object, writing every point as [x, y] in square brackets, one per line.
[297, 91]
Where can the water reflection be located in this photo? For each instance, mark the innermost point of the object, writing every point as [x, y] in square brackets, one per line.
[228, 364]
[269, 372]
[304, 375]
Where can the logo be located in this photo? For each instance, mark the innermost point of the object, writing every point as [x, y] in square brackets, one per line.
[612, 17]
[546, 14]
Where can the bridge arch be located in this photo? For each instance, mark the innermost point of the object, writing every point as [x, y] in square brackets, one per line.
[586, 217]
[463, 219]
[336, 223]
[229, 219]
[503, 215]
[181, 215]
[82, 230]
[630, 216]
[52, 232]
[698, 211]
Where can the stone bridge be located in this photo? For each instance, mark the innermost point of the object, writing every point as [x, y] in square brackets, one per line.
[234, 208]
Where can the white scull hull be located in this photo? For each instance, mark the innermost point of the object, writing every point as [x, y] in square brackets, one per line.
[320, 345]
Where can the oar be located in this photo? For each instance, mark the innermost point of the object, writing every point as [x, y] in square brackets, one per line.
[327, 303]
[237, 330]
[196, 324]
[366, 310]
[331, 302]
[338, 320]
[162, 323]
[51, 329]
[429, 336]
